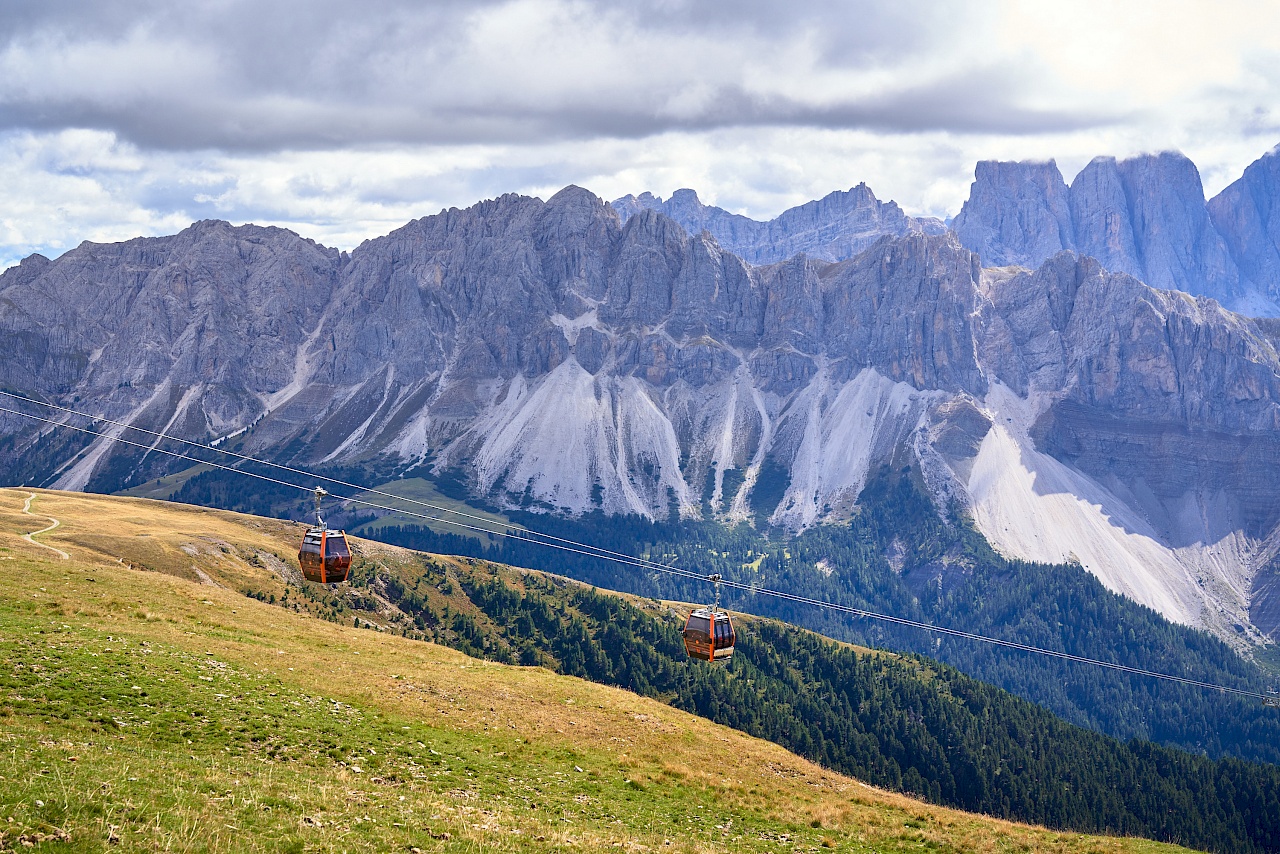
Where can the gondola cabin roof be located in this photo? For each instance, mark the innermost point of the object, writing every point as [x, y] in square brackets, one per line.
[329, 532]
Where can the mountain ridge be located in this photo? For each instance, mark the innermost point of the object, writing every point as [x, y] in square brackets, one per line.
[552, 353]
[833, 228]
[1144, 215]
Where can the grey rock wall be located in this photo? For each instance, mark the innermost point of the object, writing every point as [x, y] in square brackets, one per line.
[1017, 213]
[1247, 215]
[217, 308]
[1145, 216]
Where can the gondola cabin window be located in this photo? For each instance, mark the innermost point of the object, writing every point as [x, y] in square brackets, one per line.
[708, 635]
[338, 548]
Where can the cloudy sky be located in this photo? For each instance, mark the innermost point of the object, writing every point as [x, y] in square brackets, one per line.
[343, 120]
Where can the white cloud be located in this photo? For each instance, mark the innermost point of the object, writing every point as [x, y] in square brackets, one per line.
[59, 189]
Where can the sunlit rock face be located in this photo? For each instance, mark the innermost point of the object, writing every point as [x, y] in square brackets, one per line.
[1136, 430]
[1017, 214]
[1247, 215]
[554, 356]
[188, 332]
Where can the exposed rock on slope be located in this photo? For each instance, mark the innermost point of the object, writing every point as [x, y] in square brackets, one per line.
[1134, 429]
[190, 332]
[556, 356]
[833, 228]
[1146, 216]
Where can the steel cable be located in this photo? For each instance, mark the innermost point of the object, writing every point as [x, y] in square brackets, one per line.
[587, 550]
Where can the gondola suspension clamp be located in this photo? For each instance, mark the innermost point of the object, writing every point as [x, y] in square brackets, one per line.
[321, 494]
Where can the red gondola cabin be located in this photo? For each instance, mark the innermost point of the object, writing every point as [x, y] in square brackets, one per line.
[325, 556]
[709, 635]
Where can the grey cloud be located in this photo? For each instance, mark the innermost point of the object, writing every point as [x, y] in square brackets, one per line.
[983, 100]
[844, 30]
[241, 24]
[957, 105]
[314, 75]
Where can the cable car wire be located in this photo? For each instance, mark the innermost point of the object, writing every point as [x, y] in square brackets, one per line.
[641, 563]
[584, 549]
[303, 472]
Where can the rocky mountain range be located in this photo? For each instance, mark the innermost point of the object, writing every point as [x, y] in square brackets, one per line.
[1146, 216]
[560, 355]
[833, 228]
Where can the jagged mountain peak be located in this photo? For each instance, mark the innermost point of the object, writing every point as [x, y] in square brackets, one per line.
[1174, 244]
[26, 270]
[1150, 168]
[1168, 158]
[1247, 215]
[1144, 215]
[686, 196]
[1018, 213]
[833, 228]
[573, 195]
[653, 223]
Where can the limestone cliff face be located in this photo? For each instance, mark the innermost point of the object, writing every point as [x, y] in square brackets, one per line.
[1135, 429]
[1145, 216]
[833, 228]
[194, 329]
[1127, 401]
[1116, 345]
[553, 352]
[1247, 215]
[1163, 208]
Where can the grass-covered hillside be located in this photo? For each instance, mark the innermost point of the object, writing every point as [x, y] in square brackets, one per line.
[145, 700]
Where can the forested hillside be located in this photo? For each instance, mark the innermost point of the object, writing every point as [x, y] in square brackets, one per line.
[898, 556]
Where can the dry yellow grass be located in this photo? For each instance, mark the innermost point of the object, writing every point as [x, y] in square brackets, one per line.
[188, 600]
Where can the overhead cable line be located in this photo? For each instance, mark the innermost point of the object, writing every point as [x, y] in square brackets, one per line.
[585, 549]
[622, 558]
